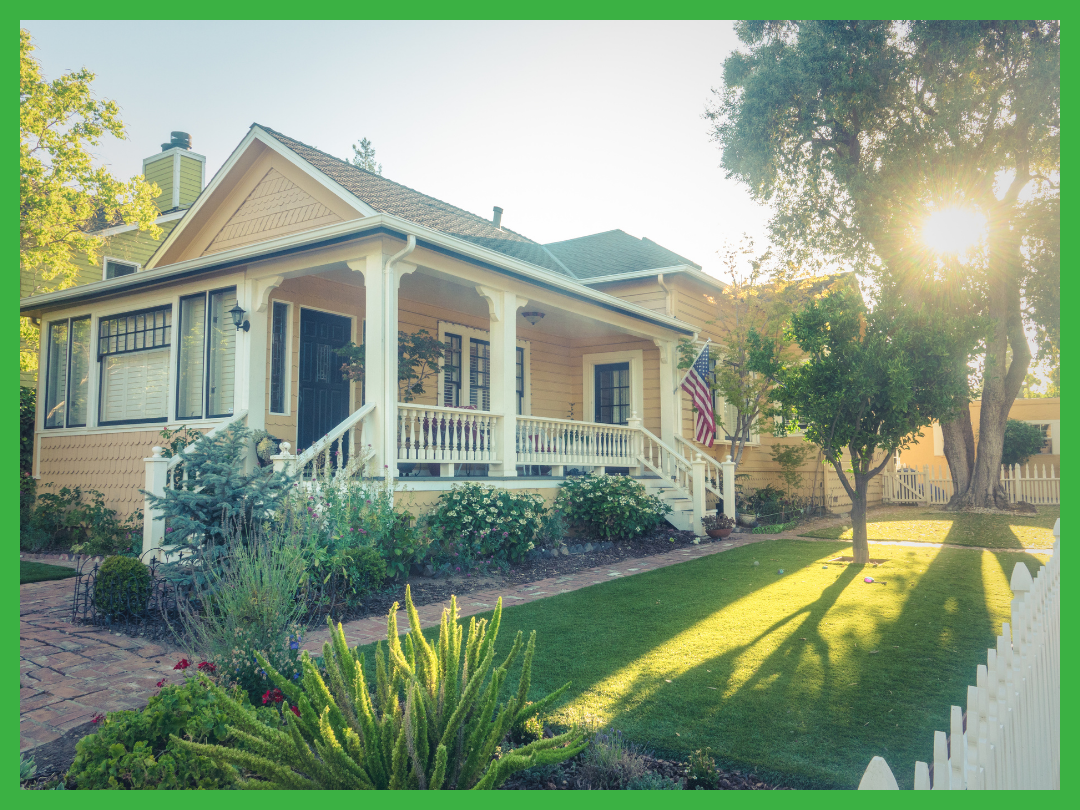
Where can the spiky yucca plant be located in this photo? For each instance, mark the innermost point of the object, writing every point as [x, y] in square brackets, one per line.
[433, 721]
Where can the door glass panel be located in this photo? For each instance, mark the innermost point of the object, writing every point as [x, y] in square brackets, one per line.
[612, 393]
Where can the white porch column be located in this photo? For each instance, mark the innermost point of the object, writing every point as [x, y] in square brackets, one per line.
[255, 301]
[156, 471]
[502, 312]
[728, 466]
[669, 399]
[697, 467]
[376, 347]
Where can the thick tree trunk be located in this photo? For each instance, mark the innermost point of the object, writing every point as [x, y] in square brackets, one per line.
[860, 548]
[959, 441]
[1001, 379]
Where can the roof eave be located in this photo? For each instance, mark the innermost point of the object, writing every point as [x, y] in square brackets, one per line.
[689, 270]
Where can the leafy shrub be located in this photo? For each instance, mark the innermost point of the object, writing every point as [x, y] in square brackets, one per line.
[27, 420]
[719, 521]
[78, 520]
[610, 762]
[248, 603]
[27, 768]
[121, 588]
[651, 780]
[552, 533]
[1022, 441]
[614, 507]
[479, 522]
[703, 772]
[217, 489]
[362, 571]
[775, 528]
[132, 750]
[432, 721]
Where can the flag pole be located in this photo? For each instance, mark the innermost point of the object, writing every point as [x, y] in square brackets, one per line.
[687, 374]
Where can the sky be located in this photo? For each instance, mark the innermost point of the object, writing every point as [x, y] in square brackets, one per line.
[573, 128]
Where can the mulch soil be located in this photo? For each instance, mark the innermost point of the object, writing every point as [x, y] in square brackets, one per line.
[54, 758]
[434, 590]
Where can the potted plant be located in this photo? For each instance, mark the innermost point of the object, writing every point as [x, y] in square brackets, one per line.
[717, 525]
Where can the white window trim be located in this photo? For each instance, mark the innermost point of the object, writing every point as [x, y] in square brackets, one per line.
[115, 259]
[286, 392]
[720, 407]
[1055, 430]
[470, 333]
[637, 380]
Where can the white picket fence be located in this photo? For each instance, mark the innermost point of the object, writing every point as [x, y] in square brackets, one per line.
[1010, 736]
[932, 485]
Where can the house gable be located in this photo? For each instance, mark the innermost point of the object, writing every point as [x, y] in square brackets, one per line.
[262, 192]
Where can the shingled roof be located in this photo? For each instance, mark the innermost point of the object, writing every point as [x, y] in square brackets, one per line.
[613, 253]
[389, 197]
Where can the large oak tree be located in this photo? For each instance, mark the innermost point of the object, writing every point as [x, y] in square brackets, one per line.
[856, 131]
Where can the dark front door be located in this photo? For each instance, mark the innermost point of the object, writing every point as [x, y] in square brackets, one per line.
[612, 394]
[324, 389]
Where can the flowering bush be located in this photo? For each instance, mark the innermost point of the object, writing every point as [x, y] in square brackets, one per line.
[614, 507]
[715, 522]
[479, 522]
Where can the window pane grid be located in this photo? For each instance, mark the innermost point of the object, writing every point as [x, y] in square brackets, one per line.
[452, 372]
[277, 358]
[138, 331]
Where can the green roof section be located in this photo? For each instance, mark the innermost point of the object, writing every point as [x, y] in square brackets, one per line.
[614, 253]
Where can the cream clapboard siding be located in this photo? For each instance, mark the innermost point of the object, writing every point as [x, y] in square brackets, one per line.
[276, 206]
[644, 292]
[190, 180]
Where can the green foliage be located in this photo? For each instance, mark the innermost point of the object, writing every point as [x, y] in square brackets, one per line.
[63, 198]
[702, 771]
[433, 720]
[76, 519]
[174, 441]
[775, 528]
[217, 489]
[610, 762]
[790, 458]
[27, 418]
[132, 750]
[121, 588]
[869, 382]
[248, 603]
[651, 780]
[364, 157]
[1022, 440]
[614, 507]
[715, 522]
[552, 532]
[362, 570]
[27, 768]
[481, 523]
[266, 445]
[418, 360]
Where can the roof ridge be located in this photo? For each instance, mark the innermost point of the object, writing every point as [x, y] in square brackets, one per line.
[392, 182]
[590, 236]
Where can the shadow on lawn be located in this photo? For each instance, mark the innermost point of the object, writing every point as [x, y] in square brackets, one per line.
[821, 703]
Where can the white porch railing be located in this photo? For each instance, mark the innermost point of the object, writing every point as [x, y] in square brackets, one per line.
[447, 435]
[666, 462]
[1010, 736]
[340, 453]
[714, 472]
[933, 486]
[562, 442]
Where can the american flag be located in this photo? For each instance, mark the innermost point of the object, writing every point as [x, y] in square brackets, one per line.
[694, 384]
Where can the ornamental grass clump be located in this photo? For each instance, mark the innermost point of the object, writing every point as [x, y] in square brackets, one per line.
[433, 720]
[612, 507]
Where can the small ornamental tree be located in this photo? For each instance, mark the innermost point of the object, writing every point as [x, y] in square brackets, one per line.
[418, 360]
[869, 382]
[1022, 440]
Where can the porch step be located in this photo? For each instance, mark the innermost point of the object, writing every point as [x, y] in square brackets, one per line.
[681, 515]
[682, 519]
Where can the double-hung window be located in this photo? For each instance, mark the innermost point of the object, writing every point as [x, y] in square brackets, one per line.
[278, 350]
[206, 364]
[471, 386]
[67, 372]
[452, 372]
[133, 351]
[480, 374]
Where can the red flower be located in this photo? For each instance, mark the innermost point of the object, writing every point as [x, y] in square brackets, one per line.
[182, 664]
[274, 696]
[206, 666]
[161, 683]
[295, 710]
[97, 718]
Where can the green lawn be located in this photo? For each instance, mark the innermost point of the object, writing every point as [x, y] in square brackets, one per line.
[923, 525]
[41, 572]
[804, 676]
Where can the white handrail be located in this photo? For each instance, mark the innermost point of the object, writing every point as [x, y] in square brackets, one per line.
[669, 463]
[715, 482]
[214, 431]
[335, 434]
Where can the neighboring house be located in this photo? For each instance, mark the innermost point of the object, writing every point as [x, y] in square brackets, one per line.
[561, 357]
[180, 174]
[1042, 411]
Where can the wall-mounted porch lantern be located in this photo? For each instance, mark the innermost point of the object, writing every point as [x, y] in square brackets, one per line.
[238, 313]
[532, 317]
